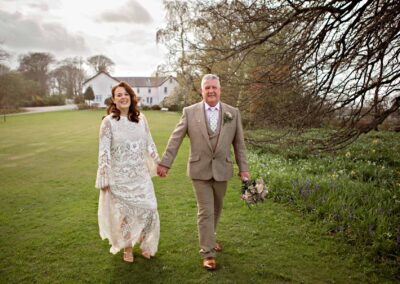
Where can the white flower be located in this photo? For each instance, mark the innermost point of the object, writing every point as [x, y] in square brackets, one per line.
[227, 117]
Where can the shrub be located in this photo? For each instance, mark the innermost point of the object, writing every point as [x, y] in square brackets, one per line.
[155, 107]
[54, 100]
[4, 111]
[83, 106]
[79, 100]
[353, 192]
[174, 108]
[37, 101]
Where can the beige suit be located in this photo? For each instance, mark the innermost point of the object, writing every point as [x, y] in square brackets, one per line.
[210, 165]
[205, 162]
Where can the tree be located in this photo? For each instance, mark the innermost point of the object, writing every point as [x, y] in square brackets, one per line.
[338, 55]
[191, 35]
[100, 63]
[89, 94]
[15, 90]
[3, 54]
[35, 66]
[174, 36]
[68, 77]
[174, 101]
[3, 57]
[349, 49]
[4, 69]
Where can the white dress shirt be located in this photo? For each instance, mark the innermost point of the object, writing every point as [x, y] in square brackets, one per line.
[208, 109]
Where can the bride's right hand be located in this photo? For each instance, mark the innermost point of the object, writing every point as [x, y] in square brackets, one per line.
[107, 188]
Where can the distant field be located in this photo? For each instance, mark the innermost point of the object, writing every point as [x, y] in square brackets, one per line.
[48, 218]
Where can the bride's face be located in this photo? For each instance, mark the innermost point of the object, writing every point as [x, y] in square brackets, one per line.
[122, 99]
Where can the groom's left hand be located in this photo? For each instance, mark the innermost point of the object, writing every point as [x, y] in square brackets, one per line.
[244, 176]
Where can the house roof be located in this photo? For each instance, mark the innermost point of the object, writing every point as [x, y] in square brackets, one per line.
[143, 81]
[136, 82]
[101, 72]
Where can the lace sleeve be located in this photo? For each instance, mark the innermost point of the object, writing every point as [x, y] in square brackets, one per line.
[104, 170]
[152, 158]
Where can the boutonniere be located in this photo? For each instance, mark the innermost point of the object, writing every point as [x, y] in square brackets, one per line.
[227, 117]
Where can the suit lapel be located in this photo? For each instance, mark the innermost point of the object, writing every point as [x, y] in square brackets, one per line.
[202, 124]
[222, 125]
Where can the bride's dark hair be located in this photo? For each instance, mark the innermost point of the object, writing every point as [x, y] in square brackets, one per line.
[133, 112]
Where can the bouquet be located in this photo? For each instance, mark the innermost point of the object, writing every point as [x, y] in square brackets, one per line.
[254, 191]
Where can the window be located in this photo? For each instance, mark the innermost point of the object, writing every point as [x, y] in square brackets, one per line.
[165, 90]
[170, 80]
[98, 98]
[138, 90]
[149, 91]
[151, 100]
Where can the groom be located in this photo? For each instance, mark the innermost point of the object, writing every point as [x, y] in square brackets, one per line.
[212, 127]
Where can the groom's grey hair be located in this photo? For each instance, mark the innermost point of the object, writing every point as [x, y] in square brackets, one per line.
[208, 77]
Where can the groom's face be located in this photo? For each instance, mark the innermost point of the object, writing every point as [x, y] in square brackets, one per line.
[211, 92]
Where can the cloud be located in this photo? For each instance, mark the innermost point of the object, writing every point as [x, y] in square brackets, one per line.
[131, 12]
[139, 36]
[43, 5]
[40, 6]
[19, 32]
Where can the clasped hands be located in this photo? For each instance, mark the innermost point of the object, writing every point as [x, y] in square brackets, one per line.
[162, 171]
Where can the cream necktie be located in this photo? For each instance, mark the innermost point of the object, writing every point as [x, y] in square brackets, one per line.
[213, 118]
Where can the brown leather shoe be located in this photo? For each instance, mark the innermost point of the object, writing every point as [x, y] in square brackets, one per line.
[209, 263]
[218, 247]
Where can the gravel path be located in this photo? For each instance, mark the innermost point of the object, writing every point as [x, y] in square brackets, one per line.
[50, 108]
[29, 110]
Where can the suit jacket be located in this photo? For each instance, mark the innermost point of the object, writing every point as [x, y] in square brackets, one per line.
[204, 162]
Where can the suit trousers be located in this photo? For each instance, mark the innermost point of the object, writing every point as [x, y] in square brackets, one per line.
[210, 196]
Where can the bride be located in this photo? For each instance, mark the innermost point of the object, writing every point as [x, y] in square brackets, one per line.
[128, 159]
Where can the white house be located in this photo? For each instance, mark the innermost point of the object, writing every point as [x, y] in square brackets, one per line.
[150, 90]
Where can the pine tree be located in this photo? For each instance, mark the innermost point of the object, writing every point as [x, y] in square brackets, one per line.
[89, 94]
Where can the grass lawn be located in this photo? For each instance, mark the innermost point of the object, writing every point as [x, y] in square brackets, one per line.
[49, 232]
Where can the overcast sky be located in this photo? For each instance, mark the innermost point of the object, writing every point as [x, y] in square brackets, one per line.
[123, 30]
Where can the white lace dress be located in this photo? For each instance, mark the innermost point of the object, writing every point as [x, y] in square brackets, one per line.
[127, 160]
